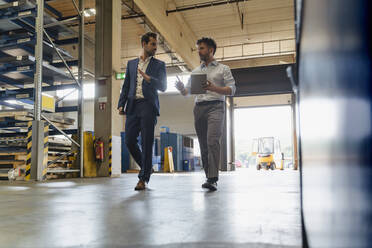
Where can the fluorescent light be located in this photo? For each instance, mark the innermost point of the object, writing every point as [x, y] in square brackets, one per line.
[89, 12]
[11, 101]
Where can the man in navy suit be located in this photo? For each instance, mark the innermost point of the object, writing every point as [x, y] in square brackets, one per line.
[139, 101]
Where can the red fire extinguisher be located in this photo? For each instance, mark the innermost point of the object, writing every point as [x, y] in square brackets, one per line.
[99, 151]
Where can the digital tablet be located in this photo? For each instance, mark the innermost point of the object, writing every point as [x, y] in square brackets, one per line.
[197, 80]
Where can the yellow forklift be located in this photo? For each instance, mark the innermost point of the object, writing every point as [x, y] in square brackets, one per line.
[268, 153]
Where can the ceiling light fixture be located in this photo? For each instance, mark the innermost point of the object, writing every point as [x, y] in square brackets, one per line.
[89, 12]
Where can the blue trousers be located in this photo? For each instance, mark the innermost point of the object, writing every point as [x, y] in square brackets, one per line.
[141, 121]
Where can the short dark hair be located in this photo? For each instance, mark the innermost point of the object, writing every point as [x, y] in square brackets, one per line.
[209, 42]
[146, 37]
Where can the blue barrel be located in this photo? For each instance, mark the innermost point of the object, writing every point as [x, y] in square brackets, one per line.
[186, 165]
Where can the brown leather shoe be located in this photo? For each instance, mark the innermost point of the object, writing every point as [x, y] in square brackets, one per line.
[141, 185]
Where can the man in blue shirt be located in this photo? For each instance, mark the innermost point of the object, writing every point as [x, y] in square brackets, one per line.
[139, 101]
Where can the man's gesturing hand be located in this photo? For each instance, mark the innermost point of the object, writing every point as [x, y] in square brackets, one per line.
[180, 86]
[145, 76]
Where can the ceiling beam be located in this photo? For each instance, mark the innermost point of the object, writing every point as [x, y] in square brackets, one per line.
[247, 62]
[261, 61]
[239, 14]
[147, 27]
[178, 35]
[203, 5]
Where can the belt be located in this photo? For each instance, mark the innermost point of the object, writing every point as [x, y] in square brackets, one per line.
[208, 102]
[139, 100]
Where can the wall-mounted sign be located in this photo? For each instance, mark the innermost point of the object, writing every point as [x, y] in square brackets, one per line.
[120, 75]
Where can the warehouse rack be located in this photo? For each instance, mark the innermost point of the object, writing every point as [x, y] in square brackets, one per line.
[32, 64]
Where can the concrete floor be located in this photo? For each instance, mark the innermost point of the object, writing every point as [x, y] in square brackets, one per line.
[251, 209]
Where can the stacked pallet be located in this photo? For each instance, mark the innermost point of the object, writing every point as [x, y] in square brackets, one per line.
[10, 160]
[13, 150]
[56, 165]
[17, 120]
[17, 73]
[60, 121]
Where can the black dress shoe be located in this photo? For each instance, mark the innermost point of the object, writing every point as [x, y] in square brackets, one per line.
[210, 186]
[204, 185]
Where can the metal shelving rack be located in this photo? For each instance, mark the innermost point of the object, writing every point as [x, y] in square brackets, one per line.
[31, 63]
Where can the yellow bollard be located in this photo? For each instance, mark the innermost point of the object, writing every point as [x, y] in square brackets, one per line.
[168, 160]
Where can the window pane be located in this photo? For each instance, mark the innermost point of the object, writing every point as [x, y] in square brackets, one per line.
[171, 81]
[89, 91]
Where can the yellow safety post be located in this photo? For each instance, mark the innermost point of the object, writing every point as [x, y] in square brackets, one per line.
[90, 166]
[282, 164]
[168, 160]
[46, 150]
[29, 150]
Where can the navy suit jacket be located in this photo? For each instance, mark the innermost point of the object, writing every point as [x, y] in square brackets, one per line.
[156, 70]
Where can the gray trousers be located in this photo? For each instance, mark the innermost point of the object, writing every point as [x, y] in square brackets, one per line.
[209, 121]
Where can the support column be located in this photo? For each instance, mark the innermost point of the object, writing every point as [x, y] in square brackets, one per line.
[223, 156]
[39, 155]
[227, 139]
[230, 133]
[81, 91]
[228, 136]
[294, 132]
[107, 123]
[37, 170]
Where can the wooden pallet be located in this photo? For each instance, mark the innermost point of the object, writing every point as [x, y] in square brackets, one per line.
[59, 141]
[59, 149]
[27, 115]
[61, 164]
[15, 163]
[10, 160]
[20, 115]
[21, 137]
[10, 164]
[13, 156]
[3, 176]
[55, 118]
[55, 153]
